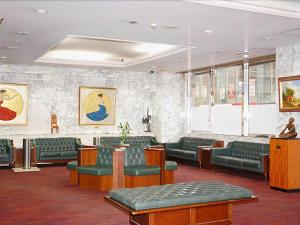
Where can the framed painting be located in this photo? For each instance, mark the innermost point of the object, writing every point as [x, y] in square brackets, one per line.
[289, 94]
[13, 104]
[97, 106]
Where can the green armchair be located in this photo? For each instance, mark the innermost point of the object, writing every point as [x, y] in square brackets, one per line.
[6, 152]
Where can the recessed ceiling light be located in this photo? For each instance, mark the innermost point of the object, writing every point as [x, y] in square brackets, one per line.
[179, 60]
[269, 38]
[152, 48]
[171, 26]
[246, 50]
[133, 22]
[208, 31]
[3, 57]
[79, 55]
[22, 32]
[11, 47]
[153, 25]
[41, 10]
[246, 56]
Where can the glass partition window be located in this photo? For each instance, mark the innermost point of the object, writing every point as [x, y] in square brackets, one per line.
[228, 85]
[200, 89]
[262, 83]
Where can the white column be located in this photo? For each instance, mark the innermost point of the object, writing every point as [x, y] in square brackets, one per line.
[246, 100]
[188, 98]
[211, 100]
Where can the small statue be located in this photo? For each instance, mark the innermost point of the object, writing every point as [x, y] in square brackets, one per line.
[291, 130]
[146, 120]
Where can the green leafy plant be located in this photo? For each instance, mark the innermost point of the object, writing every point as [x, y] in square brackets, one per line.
[125, 131]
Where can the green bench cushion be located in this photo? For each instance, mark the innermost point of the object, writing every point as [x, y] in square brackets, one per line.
[95, 170]
[72, 165]
[141, 170]
[178, 194]
[170, 165]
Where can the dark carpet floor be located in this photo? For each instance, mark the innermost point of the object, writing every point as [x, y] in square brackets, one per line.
[46, 197]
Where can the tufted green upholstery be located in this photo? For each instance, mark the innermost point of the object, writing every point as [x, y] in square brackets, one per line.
[135, 163]
[170, 165]
[73, 165]
[187, 147]
[103, 165]
[241, 155]
[63, 148]
[6, 151]
[132, 140]
[95, 170]
[143, 198]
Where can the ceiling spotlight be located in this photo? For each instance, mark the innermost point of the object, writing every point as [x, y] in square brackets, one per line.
[3, 57]
[153, 25]
[246, 50]
[208, 31]
[22, 32]
[41, 10]
[269, 38]
[133, 22]
[246, 56]
[11, 47]
[171, 27]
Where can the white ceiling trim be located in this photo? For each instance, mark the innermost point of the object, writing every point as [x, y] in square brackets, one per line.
[252, 7]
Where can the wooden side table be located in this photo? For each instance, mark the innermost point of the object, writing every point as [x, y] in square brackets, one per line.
[204, 156]
[19, 157]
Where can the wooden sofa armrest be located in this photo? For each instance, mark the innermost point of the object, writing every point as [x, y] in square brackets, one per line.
[87, 156]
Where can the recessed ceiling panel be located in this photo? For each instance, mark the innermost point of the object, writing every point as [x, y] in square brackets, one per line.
[93, 51]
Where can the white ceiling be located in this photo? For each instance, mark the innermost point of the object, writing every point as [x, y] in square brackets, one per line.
[234, 29]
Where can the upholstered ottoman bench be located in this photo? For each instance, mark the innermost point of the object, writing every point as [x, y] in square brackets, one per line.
[208, 203]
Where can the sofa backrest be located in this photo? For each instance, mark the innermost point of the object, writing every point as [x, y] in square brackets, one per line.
[104, 157]
[132, 140]
[56, 144]
[191, 143]
[135, 156]
[5, 146]
[248, 150]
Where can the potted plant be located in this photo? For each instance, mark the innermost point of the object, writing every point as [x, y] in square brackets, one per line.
[125, 131]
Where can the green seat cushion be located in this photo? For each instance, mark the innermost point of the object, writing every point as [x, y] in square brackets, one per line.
[96, 170]
[141, 170]
[50, 154]
[170, 165]
[250, 163]
[178, 194]
[72, 165]
[175, 152]
[69, 153]
[4, 157]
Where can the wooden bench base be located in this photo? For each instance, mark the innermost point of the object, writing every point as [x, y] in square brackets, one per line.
[213, 213]
[169, 177]
[96, 183]
[73, 177]
[141, 181]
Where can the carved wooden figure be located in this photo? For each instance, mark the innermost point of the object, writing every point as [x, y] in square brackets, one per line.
[54, 124]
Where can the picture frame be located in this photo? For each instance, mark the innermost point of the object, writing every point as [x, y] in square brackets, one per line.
[13, 104]
[97, 106]
[289, 94]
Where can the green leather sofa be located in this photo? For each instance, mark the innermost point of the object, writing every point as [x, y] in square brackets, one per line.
[187, 147]
[242, 155]
[56, 149]
[6, 152]
[103, 164]
[132, 140]
[135, 163]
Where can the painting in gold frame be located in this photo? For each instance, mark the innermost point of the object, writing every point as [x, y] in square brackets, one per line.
[289, 94]
[97, 106]
[13, 104]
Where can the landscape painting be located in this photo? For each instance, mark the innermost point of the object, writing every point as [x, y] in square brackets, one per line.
[289, 94]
